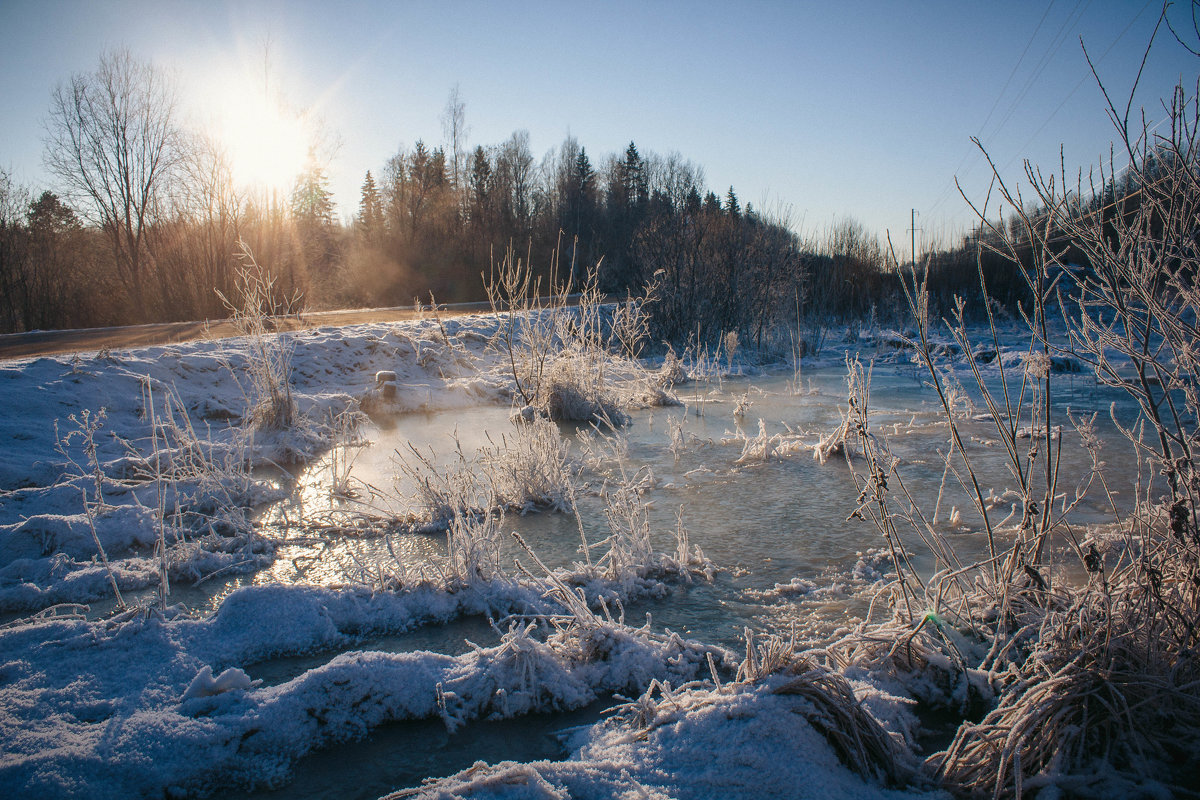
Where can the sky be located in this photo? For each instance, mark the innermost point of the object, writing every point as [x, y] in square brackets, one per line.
[812, 111]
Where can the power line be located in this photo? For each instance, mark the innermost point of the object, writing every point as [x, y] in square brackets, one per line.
[1016, 66]
[1047, 56]
[1082, 80]
[1070, 22]
[950, 185]
[1038, 70]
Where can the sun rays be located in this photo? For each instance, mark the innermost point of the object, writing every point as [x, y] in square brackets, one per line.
[267, 143]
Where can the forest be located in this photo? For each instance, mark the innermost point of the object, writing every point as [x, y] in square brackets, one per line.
[148, 226]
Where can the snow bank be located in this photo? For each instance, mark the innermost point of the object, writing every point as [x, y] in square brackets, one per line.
[131, 708]
[745, 743]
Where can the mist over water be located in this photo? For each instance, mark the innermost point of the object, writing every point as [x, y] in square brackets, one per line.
[762, 522]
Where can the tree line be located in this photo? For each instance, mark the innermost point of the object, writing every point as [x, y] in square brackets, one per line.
[145, 224]
[144, 221]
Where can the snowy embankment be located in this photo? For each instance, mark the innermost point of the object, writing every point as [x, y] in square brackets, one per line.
[159, 700]
[193, 396]
[147, 706]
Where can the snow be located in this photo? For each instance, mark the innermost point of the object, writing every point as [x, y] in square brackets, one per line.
[130, 707]
[164, 701]
[205, 685]
[744, 743]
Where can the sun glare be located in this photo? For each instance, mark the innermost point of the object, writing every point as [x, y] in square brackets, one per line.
[267, 145]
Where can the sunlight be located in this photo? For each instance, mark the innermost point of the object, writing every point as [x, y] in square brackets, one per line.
[267, 145]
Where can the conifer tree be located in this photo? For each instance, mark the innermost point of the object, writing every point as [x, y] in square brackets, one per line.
[633, 182]
[312, 202]
[370, 211]
[480, 185]
[732, 207]
[312, 214]
[581, 200]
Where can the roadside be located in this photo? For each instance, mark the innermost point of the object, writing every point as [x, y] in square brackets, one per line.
[45, 343]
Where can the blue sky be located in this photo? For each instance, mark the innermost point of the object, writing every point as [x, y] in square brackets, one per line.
[826, 110]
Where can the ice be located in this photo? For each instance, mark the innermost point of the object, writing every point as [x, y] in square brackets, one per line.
[161, 700]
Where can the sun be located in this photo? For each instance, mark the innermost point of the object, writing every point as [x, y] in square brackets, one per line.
[267, 144]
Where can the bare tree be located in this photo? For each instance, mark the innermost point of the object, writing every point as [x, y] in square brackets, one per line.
[111, 139]
[195, 248]
[515, 176]
[13, 253]
[454, 128]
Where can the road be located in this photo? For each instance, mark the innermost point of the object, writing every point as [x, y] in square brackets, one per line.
[47, 343]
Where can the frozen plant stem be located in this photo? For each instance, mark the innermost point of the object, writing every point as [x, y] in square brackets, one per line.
[86, 426]
[158, 452]
[270, 362]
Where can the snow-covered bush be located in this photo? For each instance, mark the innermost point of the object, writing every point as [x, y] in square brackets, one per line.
[571, 356]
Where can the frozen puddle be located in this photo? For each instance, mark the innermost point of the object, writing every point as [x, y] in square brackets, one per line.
[763, 522]
[777, 529]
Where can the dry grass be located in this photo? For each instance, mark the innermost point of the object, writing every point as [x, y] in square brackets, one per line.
[1097, 691]
[1096, 681]
[270, 357]
[860, 742]
[571, 356]
[830, 706]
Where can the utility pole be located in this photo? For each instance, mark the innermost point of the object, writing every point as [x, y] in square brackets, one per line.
[913, 244]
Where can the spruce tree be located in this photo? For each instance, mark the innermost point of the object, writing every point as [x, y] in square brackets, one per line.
[370, 211]
[732, 207]
[634, 179]
[312, 214]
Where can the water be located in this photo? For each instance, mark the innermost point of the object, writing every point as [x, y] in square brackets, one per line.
[765, 523]
[762, 523]
[403, 754]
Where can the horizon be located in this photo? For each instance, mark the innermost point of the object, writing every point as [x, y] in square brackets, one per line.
[773, 103]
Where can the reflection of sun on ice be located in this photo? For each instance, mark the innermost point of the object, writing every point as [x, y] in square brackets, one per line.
[267, 145]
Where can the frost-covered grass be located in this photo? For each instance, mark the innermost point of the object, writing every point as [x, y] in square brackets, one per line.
[571, 356]
[159, 699]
